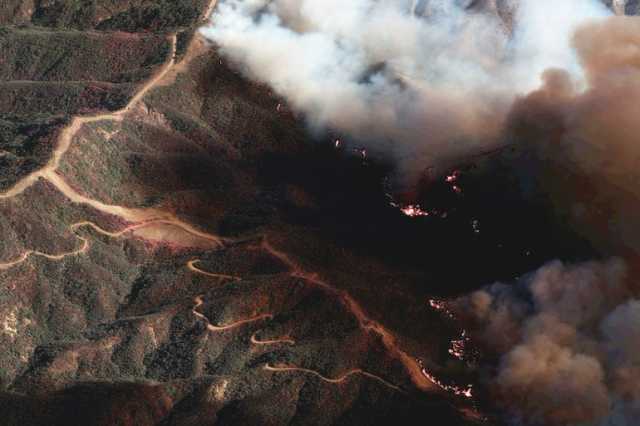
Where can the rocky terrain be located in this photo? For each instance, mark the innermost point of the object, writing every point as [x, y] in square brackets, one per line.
[178, 250]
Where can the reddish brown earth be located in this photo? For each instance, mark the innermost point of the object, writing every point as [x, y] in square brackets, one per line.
[178, 250]
[155, 265]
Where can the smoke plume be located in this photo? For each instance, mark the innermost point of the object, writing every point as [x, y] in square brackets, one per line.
[567, 337]
[586, 138]
[430, 81]
[568, 342]
[425, 81]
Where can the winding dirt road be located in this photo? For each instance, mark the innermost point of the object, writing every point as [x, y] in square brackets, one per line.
[209, 10]
[218, 328]
[412, 366]
[85, 243]
[141, 219]
[68, 133]
[282, 340]
[338, 380]
[297, 272]
[191, 266]
[57, 257]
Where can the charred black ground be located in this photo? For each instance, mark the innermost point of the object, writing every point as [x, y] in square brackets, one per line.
[498, 226]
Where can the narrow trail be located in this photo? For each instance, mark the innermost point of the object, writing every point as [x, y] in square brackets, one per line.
[68, 133]
[140, 217]
[341, 379]
[412, 366]
[197, 46]
[144, 218]
[199, 301]
[239, 323]
[85, 243]
[209, 10]
[50, 171]
[282, 340]
[191, 266]
[57, 257]
[84, 247]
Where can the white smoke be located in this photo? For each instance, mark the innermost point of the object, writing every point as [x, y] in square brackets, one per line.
[543, 33]
[423, 80]
[430, 80]
[569, 336]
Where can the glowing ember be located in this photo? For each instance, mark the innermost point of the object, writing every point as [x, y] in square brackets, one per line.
[466, 392]
[361, 152]
[475, 224]
[458, 347]
[411, 210]
[438, 305]
[441, 306]
[453, 177]
[414, 210]
[452, 180]
[455, 352]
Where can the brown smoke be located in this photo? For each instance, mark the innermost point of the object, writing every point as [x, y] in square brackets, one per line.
[436, 82]
[566, 339]
[586, 141]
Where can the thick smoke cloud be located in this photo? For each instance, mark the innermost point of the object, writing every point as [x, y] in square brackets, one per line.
[568, 342]
[425, 81]
[586, 139]
[568, 337]
[430, 81]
